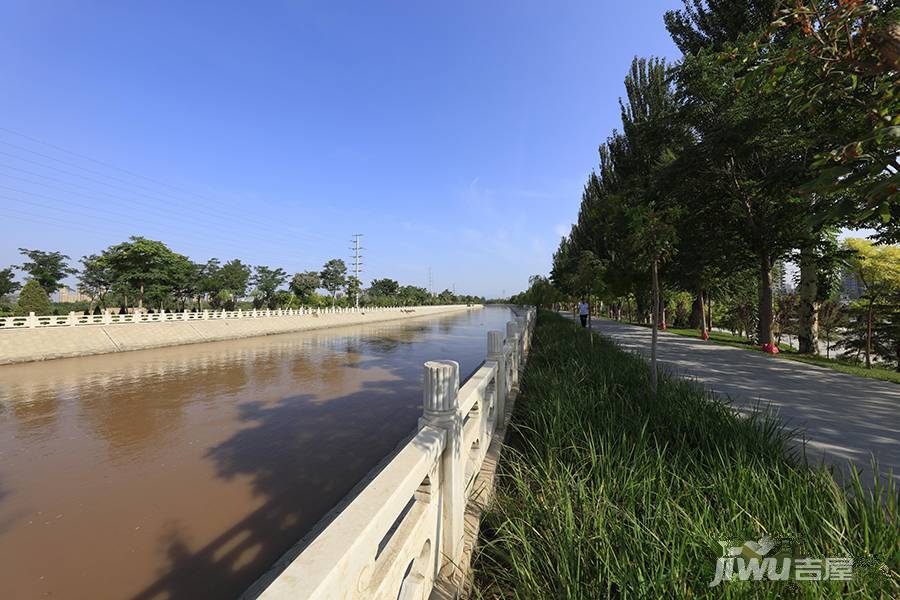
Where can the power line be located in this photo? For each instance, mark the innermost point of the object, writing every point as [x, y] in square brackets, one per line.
[146, 216]
[357, 262]
[93, 193]
[127, 191]
[158, 195]
[71, 208]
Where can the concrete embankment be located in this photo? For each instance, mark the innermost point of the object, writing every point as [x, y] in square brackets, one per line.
[45, 343]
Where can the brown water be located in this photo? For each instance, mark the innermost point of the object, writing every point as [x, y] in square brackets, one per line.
[186, 472]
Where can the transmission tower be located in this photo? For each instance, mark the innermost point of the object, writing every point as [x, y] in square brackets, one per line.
[357, 262]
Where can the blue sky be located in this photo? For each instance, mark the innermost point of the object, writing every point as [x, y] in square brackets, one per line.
[455, 136]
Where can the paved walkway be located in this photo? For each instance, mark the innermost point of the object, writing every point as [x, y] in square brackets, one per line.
[843, 417]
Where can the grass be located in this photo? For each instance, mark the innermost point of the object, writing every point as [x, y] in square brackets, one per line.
[605, 491]
[788, 353]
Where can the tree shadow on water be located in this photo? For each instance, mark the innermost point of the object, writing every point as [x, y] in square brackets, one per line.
[302, 455]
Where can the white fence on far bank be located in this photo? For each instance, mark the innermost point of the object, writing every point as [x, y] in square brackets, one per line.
[405, 529]
[108, 318]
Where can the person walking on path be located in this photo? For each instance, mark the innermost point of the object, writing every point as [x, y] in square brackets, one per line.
[583, 312]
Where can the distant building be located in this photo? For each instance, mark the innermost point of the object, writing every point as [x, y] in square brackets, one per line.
[851, 287]
[65, 294]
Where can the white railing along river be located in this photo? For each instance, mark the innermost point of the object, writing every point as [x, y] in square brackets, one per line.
[404, 531]
[109, 318]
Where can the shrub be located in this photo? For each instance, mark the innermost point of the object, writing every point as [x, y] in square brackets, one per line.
[34, 299]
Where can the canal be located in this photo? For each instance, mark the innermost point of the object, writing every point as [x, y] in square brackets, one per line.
[186, 472]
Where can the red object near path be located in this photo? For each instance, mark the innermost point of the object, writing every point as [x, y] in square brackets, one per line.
[770, 349]
[704, 335]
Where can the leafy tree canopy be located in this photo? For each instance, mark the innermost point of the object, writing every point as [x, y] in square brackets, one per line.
[8, 284]
[267, 281]
[384, 287]
[145, 266]
[334, 277]
[47, 268]
[33, 298]
[304, 285]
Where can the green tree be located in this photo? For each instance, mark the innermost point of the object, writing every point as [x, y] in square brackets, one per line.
[145, 266]
[209, 282]
[445, 297]
[878, 269]
[541, 292]
[285, 299]
[832, 318]
[95, 279]
[334, 277]
[384, 287]
[651, 144]
[47, 268]
[33, 298]
[411, 295]
[353, 288]
[888, 330]
[266, 282]
[710, 24]
[234, 277]
[186, 281]
[755, 157]
[839, 58]
[8, 284]
[304, 285]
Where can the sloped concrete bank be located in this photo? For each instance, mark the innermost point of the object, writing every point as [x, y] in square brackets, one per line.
[27, 345]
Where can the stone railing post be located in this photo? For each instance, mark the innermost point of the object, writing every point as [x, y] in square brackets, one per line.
[72, 320]
[523, 336]
[512, 336]
[441, 410]
[107, 317]
[32, 320]
[495, 353]
[205, 314]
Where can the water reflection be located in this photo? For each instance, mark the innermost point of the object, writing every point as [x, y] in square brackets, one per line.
[190, 470]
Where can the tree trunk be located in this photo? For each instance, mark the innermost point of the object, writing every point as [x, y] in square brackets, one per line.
[703, 330]
[709, 314]
[697, 315]
[766, 312]
[141, 297]
[869, 317]
[654, 312]
[590, 301]
[808, 324]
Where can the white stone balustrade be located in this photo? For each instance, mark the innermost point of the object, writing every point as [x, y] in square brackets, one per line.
[33, 321]
[405, 529]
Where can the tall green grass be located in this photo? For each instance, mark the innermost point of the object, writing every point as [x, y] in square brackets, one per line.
[605, 491]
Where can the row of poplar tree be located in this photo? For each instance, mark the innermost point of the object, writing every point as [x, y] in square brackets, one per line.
[778, 127]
